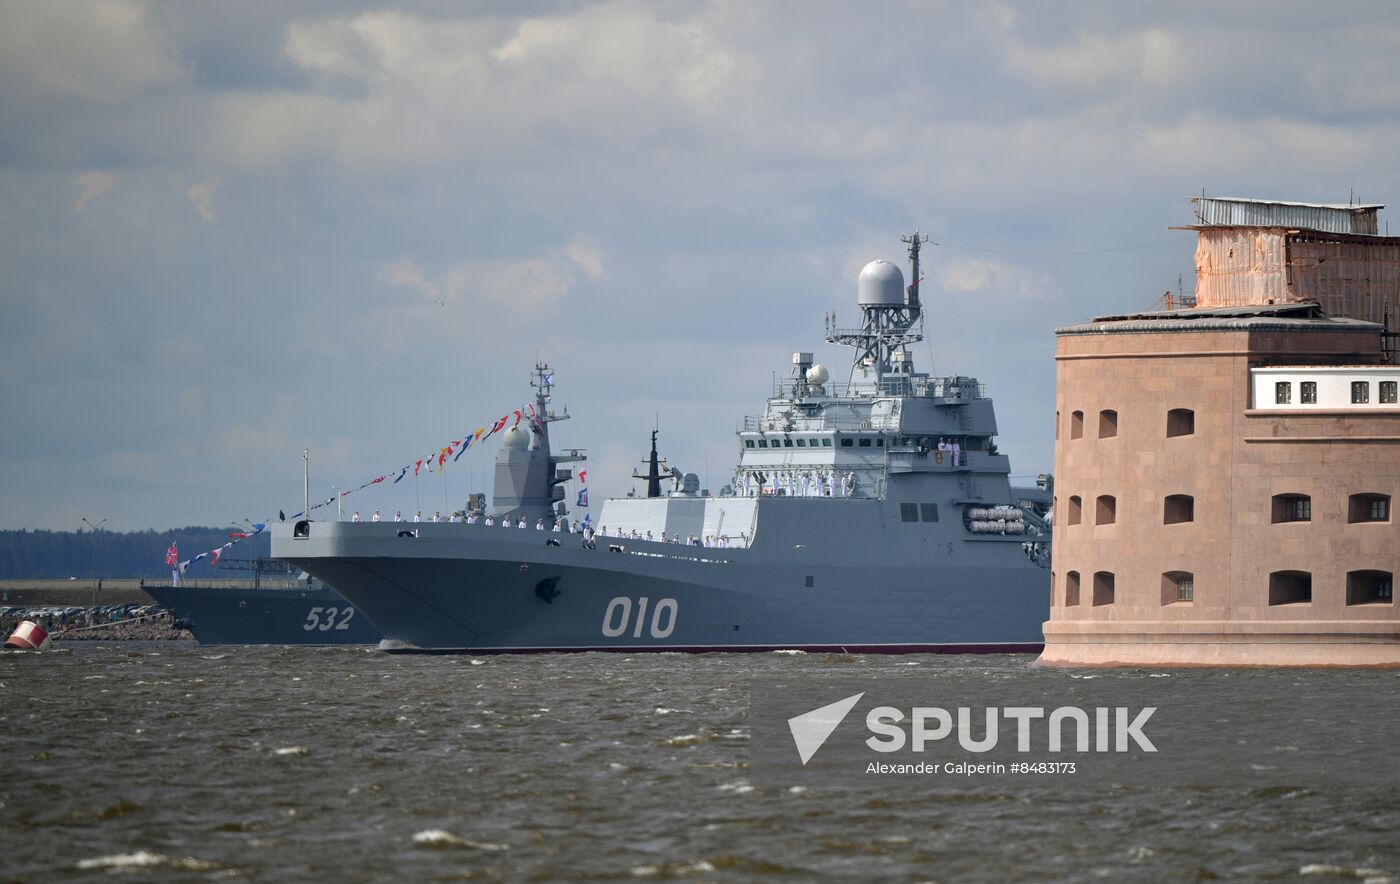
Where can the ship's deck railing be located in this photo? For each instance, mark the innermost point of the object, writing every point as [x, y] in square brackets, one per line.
[918, 386]
[798, 423]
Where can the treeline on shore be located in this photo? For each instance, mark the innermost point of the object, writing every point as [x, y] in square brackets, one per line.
[42, 555]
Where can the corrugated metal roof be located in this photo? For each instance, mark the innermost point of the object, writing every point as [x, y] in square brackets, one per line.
[1175, 322]
[1298, 310]
[1332, 218]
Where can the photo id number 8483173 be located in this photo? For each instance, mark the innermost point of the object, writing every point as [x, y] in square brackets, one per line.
[324, 619]
[618, 617]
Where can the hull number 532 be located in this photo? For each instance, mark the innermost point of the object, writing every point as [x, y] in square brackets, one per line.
[618, 618]
[325, 619]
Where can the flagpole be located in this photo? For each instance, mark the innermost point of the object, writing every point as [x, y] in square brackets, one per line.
[306, 486]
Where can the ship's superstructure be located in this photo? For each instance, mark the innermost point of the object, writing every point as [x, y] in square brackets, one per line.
[874, 514]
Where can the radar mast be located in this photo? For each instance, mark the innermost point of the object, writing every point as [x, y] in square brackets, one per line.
[891, 319]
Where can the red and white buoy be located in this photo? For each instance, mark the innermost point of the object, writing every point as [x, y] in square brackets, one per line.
[29, 637]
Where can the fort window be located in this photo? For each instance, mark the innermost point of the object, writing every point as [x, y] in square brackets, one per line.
[1178, 508]
[1369, 587]
[1290, 588]
[1388, 392]
[928, 512]
[1076, 510]
[1108, 423]
[1106, 510]
[1360, 392]
[1369, 508]
[909, 512]
[1307, 392]
[1292, 508]
[1076, 425]
[1181, 422]
[1178, 587]
[1072, 589]
[1057, 426]
[1283, 392]
[1103, 588]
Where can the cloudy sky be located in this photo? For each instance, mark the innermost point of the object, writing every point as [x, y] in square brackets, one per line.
[229, 231]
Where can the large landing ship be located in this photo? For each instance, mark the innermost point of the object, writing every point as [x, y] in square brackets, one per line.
[870, 516]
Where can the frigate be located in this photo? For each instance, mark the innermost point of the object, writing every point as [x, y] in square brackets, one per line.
[287, 611]
[874, 515]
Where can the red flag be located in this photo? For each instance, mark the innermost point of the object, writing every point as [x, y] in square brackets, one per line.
[172, 555]
[214, 557]
[417, 466]
[499, 424]
[236, 536]
[517, 418]
[583, 475]
[377, 481]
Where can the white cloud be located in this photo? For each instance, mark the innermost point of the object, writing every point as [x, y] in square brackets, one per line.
[104, 51]
[90, 185]
[995, 279]
[201, 196]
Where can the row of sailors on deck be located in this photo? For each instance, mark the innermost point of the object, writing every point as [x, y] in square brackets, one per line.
[821, 483]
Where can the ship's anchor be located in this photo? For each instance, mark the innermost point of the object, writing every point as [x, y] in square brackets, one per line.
[546, 590]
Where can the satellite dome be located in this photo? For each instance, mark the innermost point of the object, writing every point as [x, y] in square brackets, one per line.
[881, 284]
[817, 375]
[517, 439]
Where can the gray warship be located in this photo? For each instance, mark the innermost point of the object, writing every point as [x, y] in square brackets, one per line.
[851, 524]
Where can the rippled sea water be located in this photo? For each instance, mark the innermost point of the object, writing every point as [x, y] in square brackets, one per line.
[173, 761]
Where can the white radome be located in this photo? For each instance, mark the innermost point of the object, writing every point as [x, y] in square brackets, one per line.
[817, 375]
[881, 284]
[517, 439]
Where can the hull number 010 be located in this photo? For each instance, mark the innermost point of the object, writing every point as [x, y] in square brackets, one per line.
[619, 619]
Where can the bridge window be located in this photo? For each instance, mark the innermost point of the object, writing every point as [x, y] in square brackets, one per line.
[847, 442]
[880, 442]
[1290, 588]
[1388, 392]
[1360, 392]
[1072, 589]
[1181, 422]
[1106, 510]
[1283, 393]
[928, 512]
[1178, 586]
[1076, 510]
[1369, 508]
[1292, 508]
[762, 443]
[1108, 423]
[1370, 587]
[1076, 425]
[1307, 392]
[826, 442]
[1103, 588]
[787, 443]
[1178, 508]
[865, 443]
[909, 512]
[748, 443]
[801, 443]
